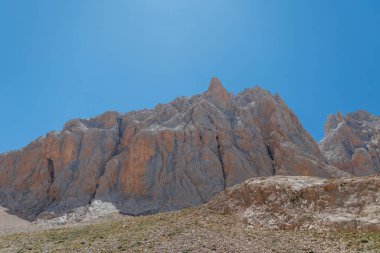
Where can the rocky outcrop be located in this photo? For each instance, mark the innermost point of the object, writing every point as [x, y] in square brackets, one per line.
[352, 143]
[347, 204]
[173, 156]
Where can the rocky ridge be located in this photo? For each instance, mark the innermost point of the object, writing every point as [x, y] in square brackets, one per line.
[174, 156]
[352, 143]
[288, 203]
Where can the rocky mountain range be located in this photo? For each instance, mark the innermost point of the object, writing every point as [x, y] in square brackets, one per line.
[174, 156]
[352, 143]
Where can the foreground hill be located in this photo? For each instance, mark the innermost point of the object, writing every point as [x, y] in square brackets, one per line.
[346, 204]
[352, 143]
[174, 156]
[259, 215]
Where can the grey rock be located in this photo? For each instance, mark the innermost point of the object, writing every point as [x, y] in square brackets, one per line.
[352, 143]
[174, 156]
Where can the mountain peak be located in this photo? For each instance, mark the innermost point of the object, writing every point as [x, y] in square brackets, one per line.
[216, 86]
[217, 93]
[354, 147]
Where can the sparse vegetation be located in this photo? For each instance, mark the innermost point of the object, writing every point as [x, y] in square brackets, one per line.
[190, 230]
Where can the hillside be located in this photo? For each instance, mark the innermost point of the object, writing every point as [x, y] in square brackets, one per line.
[227, 223]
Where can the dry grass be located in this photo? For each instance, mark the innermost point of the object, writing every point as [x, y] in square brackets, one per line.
[190, 230]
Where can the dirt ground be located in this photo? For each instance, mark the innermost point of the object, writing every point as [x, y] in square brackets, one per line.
[190, 230]
[10, 223]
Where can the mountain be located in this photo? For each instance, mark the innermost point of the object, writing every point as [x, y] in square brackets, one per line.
[174, 156]
[352, 143]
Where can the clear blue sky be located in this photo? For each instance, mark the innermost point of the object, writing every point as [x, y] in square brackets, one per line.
[74, 58]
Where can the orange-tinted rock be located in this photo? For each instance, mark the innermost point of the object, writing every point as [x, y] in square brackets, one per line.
[174, 156]
[352, 143]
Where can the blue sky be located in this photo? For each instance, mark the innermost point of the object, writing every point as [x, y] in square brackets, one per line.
[75, 58]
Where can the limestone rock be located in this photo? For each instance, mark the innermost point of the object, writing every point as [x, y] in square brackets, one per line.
[176, 155]
[352, 143]
[280, 202]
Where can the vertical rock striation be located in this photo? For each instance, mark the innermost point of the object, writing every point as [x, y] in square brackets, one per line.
[352, 143]
[176, 155]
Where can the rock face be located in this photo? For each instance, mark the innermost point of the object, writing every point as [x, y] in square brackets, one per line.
[346, 204]
[174, 156]
[352, 143]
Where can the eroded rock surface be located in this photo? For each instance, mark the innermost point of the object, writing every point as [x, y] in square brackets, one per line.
[345, 204]
[352, 143]
[173, 156]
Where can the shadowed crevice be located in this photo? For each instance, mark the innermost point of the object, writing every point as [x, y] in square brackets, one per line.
[271, 156]
[116, 152]
[221, 162]
[51, 169]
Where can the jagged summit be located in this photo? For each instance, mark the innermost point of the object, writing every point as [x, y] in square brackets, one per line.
[217, 94]
[176, 155]
[333, 121]
[216, 87]
[352, 143]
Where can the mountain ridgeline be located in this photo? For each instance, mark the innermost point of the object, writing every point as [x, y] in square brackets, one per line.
[174, 156]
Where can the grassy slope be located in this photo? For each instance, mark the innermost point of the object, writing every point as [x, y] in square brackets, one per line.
[190, 230]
